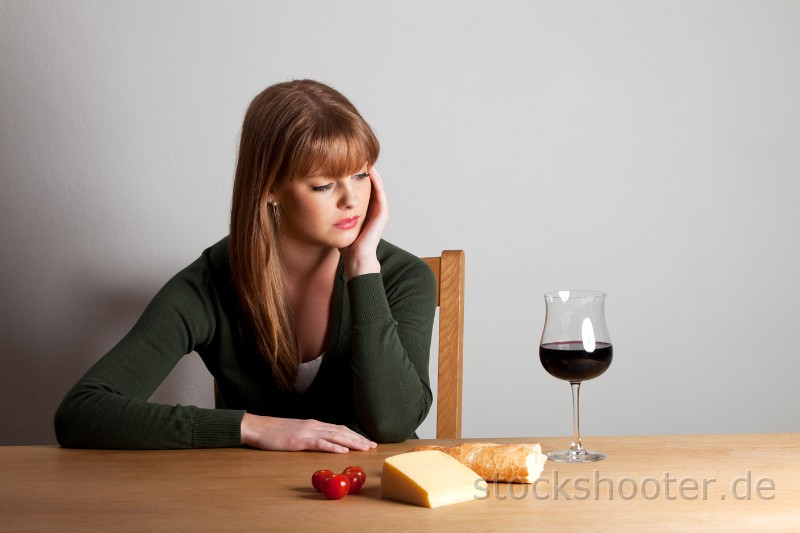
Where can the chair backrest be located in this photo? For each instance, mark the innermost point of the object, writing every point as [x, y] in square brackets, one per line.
[449, 271]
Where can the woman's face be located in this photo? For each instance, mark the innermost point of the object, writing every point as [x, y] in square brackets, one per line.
[325, 210]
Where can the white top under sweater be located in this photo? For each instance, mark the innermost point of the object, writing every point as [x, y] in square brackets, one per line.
[306, 373]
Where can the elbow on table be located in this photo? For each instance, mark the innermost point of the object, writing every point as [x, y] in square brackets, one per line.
[386, 431]
[70, 423]
[393, 426]
[388, 434]
[64, 423]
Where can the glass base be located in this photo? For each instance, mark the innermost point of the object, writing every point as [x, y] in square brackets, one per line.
[576, 456]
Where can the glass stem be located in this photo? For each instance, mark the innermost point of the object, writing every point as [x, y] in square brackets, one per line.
[577, 447]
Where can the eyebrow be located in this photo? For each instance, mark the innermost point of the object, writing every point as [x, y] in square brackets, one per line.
[326, 176]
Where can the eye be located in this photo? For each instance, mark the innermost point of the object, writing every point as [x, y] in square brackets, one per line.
[322, 188]
[361, 176]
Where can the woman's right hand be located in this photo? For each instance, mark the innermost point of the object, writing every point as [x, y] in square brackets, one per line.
[291, 434]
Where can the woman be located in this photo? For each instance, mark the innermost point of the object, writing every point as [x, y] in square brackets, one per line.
[316, 331]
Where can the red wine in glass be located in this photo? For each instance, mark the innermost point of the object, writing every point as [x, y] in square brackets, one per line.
[575, 347]
[569, 360]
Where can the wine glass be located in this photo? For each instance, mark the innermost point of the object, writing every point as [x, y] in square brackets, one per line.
[575, 346]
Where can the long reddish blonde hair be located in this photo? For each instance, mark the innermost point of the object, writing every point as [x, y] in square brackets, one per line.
[289, 130]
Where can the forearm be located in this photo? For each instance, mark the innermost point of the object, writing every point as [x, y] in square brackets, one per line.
[391, 399]
[390, 357]
[93, 417]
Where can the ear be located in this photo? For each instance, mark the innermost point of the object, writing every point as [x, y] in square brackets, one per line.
[274, 198]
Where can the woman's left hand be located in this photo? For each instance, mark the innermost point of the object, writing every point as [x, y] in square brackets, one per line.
[361, 257]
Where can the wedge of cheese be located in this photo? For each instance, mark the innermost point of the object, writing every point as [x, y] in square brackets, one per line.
[429, 479]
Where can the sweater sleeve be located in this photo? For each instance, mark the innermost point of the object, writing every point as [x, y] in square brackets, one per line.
[391, 335]
[108, 407]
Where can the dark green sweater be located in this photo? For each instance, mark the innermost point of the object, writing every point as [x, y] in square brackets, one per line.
[373, 378]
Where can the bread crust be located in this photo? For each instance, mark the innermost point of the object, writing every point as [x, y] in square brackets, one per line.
[512, 463]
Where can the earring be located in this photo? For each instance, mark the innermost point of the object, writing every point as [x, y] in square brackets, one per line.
[272, 202]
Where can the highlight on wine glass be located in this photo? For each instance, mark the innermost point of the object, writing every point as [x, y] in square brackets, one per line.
[575, 347]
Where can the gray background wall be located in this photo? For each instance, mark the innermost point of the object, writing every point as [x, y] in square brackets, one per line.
[648, 149]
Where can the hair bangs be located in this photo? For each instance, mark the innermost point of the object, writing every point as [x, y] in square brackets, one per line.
[337, 154]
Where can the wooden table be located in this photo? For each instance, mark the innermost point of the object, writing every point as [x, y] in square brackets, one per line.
[676, 483]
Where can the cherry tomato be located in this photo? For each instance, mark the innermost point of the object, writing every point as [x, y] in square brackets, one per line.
[336, 486]
[357, 469]
[356, 481]
[357, 477]
[317, 478]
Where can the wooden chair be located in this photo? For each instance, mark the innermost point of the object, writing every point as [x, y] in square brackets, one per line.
[449, 271]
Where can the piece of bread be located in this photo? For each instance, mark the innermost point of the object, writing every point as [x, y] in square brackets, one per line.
[514, 463]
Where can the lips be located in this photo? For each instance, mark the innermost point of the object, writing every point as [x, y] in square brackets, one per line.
[347, 223]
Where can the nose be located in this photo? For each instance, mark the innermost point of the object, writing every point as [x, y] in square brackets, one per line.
[348, 196]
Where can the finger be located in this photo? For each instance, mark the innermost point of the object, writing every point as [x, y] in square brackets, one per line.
[345, 436]
[358, 444]
[372, 171]
[377, 183]
[358, 438]
[323, 445]
[379, 205]
[351, 439]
